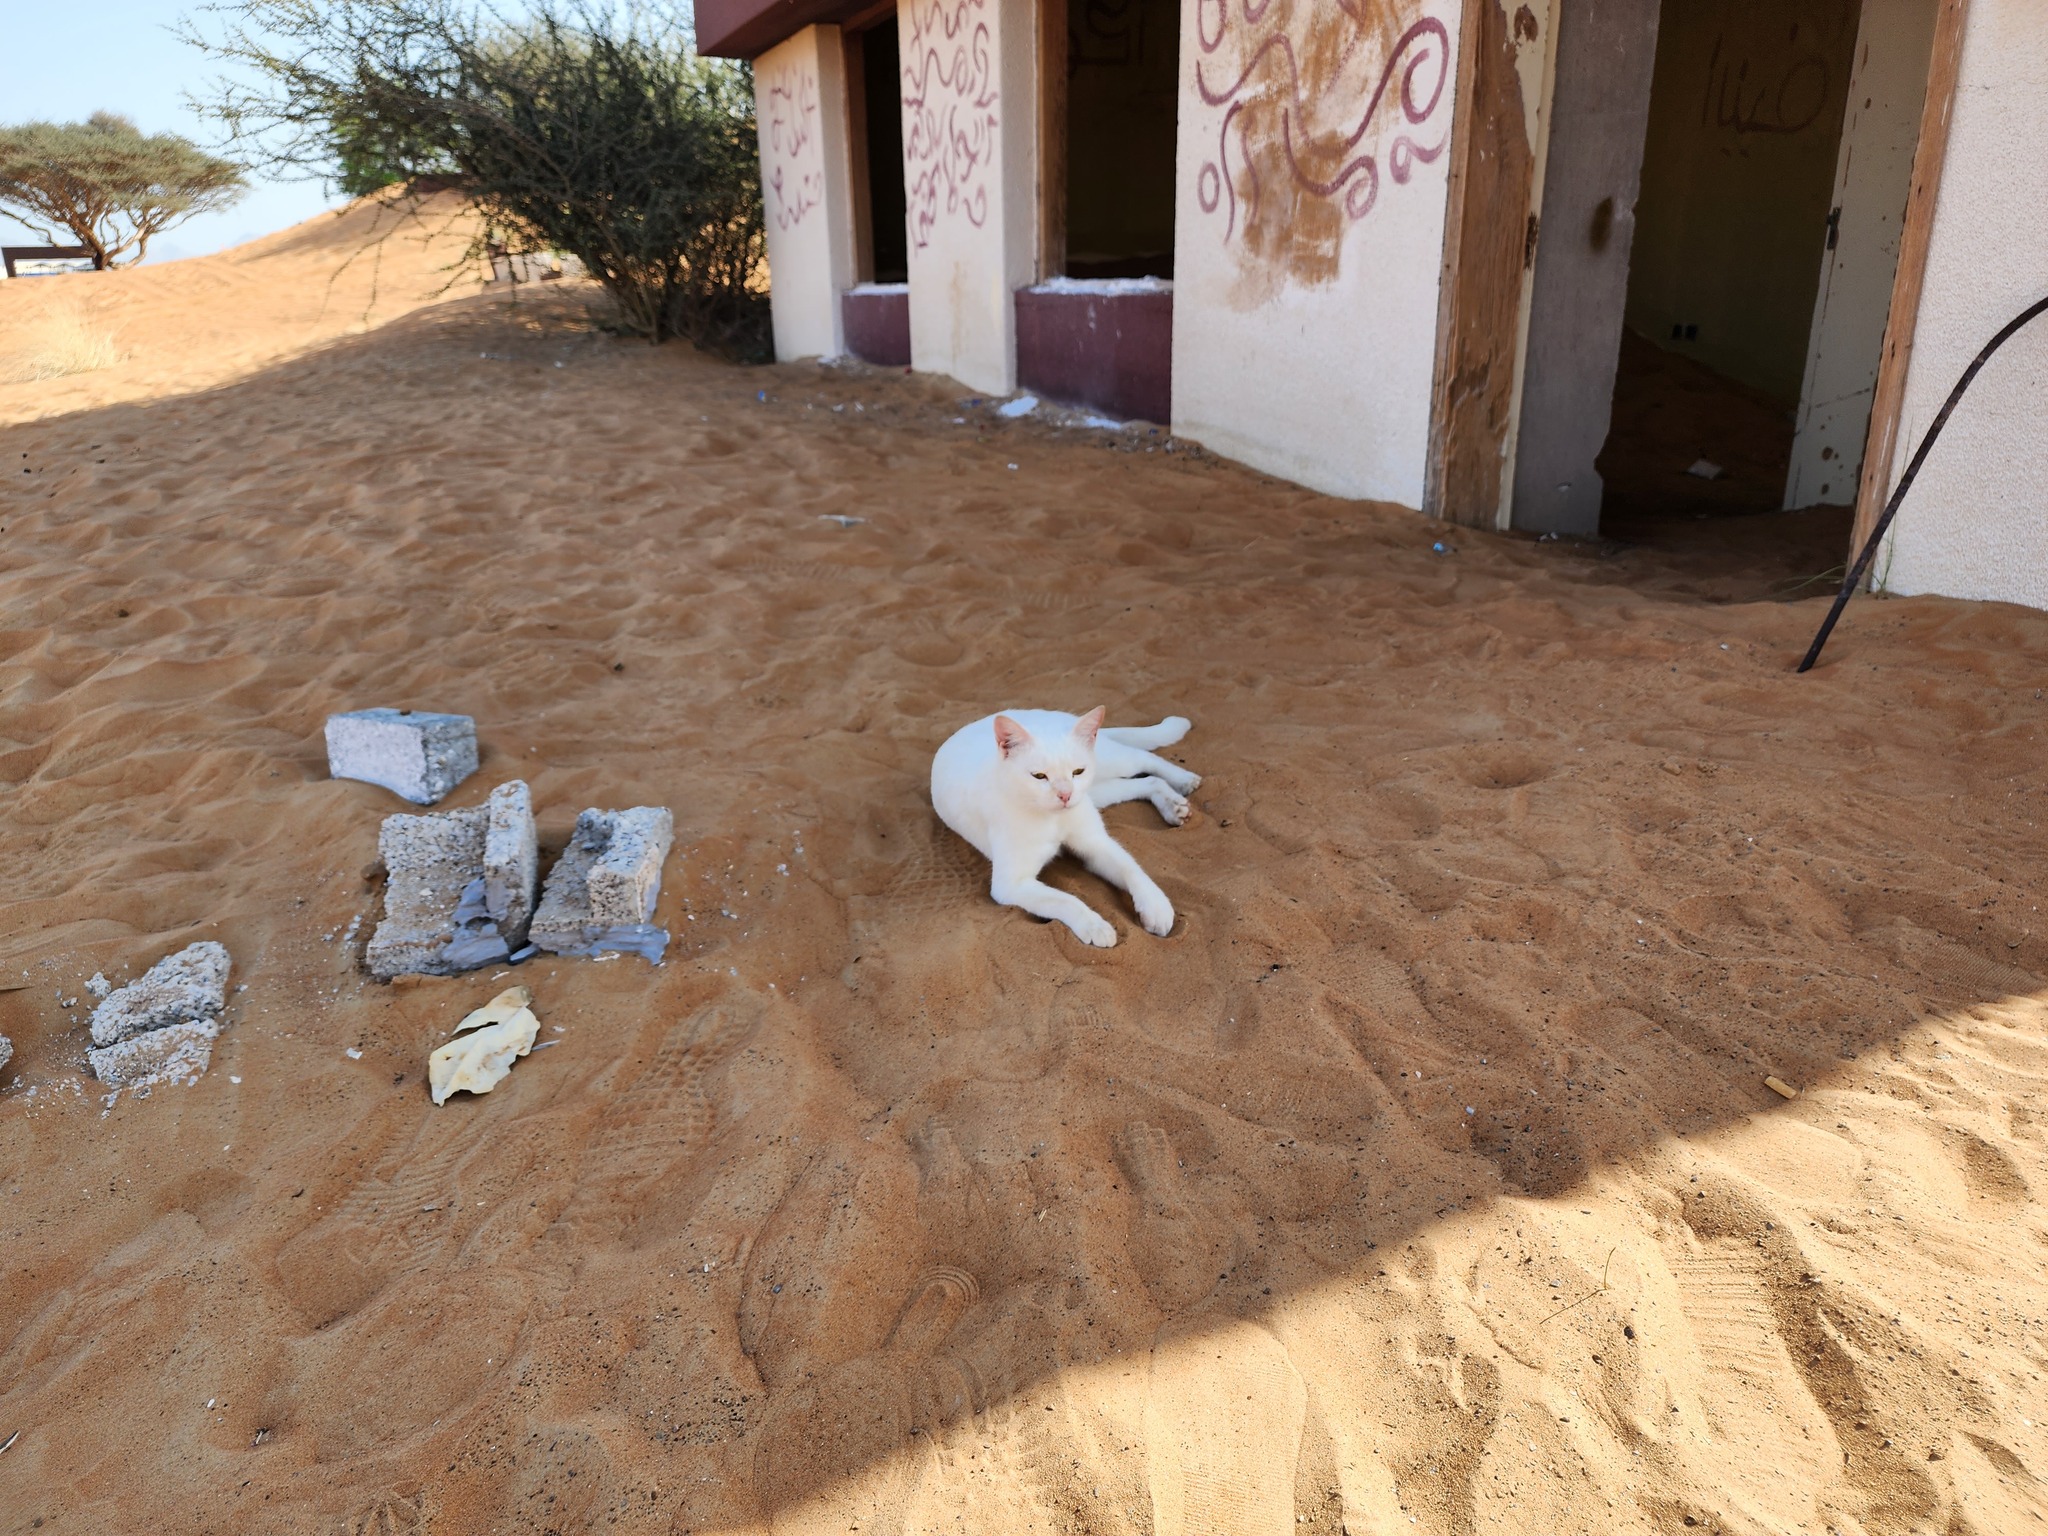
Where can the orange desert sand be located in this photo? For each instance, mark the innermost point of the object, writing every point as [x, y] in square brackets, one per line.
[1426, 1179]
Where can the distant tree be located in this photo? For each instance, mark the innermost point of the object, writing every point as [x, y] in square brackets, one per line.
[108, 185]
[583, 126]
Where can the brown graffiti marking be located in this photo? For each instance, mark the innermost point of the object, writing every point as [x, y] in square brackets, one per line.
[1292, 165]
[949, 98]
[794, 188]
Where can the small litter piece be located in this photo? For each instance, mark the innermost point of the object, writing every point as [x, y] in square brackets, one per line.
[416, 755]
[1781, 1088]
[1706, 469]
[1023, 405]
[460, 886]
[601, 893]
[486, 1043]
[179, 989]
[843, 519]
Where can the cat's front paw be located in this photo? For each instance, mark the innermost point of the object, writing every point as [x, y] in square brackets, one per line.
[1173, 809]
[1091, 929]
[1155, 912]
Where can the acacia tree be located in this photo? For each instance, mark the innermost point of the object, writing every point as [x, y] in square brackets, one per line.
[598, 132]
[107, 184]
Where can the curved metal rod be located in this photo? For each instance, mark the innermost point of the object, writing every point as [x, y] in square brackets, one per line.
[1891, 507]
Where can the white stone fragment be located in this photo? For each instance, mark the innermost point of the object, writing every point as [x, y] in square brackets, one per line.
[174, 1053]
[601, 894]
[414, 754]
[6, 1050]
[191, 984]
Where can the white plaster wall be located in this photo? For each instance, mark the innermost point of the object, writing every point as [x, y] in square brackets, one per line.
[1309, 228]
[806, 189]
[1975, 523]
[970, 178]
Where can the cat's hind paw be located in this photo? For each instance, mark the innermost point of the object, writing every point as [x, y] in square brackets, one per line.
[1173, 809]
[1094, 931]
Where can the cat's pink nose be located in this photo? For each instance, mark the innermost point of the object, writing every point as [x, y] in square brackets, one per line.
[1066, 796]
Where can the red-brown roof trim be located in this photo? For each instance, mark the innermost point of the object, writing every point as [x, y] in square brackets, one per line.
[746, 29]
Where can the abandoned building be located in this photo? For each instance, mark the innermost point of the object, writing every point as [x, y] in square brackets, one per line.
[1510, 264]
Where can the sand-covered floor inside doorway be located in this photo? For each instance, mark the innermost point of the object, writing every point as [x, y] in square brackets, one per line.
[1425, 1180]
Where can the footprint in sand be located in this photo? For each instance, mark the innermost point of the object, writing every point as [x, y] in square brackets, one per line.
[941, 874]
[387, 1227]
[1224, 1414]
[832, 1454]
[662, 1118]
[964, 1224]
[938, 1300]
[1180, 1254]
[1746, 1292]
[392, 1515]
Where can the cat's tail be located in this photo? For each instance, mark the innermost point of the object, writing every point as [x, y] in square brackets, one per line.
[1149, 738]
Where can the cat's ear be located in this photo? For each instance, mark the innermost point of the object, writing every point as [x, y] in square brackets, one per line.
[1086, 727]
[1010, 736]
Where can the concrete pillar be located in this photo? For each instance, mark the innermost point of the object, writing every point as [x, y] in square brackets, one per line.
[970, 135]
[1308, 239]
[806, 189]
[1975, 523]
[1599, 113]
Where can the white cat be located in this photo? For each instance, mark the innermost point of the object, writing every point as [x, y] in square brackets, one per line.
[1021, 786]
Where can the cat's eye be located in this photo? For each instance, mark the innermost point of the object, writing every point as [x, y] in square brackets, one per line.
[1079, 771]
[1038, 775]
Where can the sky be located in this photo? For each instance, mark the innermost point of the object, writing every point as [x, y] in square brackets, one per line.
[65, 60]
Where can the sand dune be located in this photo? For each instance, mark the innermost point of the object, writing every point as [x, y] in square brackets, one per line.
[1425, 1179]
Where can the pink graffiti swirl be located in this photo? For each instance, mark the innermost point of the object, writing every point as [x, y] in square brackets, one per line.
[1357, 180]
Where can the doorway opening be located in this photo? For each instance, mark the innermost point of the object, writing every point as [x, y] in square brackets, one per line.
[1122, 86]
[1776, 166]
[875, 311]
[873, 74]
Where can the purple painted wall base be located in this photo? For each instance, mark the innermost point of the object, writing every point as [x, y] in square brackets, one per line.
[1108, 345]
[877, 320]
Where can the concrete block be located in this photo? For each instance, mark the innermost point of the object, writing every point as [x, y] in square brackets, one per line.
[174, 1053]
[192, 984]
[459, 886]
[602, 891]
[415, 755]
[511, 860]
[6, 1050]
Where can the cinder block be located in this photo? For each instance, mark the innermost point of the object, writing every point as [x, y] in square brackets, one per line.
[602, 891]
[511, 860]
[192, 984]
[174, 1053]
[459, 886]
[415, 755]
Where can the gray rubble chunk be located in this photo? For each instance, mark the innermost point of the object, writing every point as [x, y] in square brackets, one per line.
[175, 1053]
[6, 1050]
[459, 887]
[192, 984]
[601, 893]
[414, 754]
